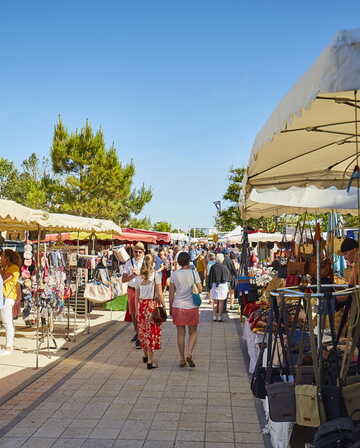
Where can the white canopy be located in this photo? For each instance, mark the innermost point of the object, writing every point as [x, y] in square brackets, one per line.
[273, 202]
[310, 137]
[182, 237]
[261, 237]
[234, 235]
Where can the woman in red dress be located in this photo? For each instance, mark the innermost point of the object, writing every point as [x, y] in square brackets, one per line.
[149, 296]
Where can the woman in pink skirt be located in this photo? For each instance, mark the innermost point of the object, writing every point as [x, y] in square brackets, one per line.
[182, 308]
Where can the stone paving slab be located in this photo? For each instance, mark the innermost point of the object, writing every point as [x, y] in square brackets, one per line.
[112, 400]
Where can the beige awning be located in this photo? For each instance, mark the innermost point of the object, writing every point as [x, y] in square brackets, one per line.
[16, 217]
[310, 138]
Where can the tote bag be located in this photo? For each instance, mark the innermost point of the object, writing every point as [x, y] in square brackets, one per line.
[97, 292]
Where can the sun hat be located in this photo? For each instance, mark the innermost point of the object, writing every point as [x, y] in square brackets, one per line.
[139, 246]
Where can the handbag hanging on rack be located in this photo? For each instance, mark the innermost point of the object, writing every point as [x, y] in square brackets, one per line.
[97, 291]
[309, 406]
[281, 394]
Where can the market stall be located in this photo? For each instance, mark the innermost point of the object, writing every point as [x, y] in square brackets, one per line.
[316, 126]
[49, 276]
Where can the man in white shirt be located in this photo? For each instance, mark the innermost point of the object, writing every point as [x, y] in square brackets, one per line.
[131, 275]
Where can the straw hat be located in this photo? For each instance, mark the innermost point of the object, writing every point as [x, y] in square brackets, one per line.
[139, 246]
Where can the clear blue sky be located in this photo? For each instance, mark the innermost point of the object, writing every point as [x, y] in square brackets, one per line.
[181, 87]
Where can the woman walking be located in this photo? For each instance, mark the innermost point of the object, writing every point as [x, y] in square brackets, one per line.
[149, 297]
[219, 277]
[182, 308]
[10, 265]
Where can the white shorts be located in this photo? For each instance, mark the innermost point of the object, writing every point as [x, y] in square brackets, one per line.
[219, 292]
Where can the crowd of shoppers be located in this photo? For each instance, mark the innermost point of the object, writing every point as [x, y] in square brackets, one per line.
[178, 271]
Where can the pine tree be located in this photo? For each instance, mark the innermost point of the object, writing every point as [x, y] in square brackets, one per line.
[94, 181]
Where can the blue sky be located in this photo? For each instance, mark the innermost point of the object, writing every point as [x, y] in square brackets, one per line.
[181, 87]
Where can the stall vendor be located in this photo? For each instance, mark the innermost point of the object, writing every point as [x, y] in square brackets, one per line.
[350, 250]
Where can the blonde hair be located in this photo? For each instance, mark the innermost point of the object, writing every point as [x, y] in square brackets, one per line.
[147, 268]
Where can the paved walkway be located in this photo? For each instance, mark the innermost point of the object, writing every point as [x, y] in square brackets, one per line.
[103, 396]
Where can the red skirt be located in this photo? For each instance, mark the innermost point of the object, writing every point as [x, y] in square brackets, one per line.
[149, 334]
[185, 317]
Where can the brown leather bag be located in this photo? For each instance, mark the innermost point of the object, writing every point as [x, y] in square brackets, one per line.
[159, 315]
[296, 267]
[325, 268]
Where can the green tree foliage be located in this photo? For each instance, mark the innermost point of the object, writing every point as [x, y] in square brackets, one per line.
[162, 226]
[32, 185]
[140, 223]
[94, 182]
[197, 233]
[229, 218]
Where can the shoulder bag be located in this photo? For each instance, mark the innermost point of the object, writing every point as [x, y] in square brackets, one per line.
[195, 292]
[159, 315]
[309, 407]
[281, 394]
[258, 379]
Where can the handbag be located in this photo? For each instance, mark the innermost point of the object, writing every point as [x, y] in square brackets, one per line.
[98, 292]
[281, 395]
[121, 254]
[296, 267]
[195, 292]
[282, 403]
[159, 315]
[262, 375]
[309, 406]
[338, 433]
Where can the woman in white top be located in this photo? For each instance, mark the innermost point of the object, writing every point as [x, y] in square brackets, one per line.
[182, 308]
[149, 297]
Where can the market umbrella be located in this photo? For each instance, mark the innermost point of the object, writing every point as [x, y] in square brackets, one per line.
[312, 136]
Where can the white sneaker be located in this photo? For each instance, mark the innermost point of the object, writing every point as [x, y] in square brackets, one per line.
[5, 352]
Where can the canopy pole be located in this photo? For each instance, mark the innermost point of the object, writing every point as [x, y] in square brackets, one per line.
[357, 177]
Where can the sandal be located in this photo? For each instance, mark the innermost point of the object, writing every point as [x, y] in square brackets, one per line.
[190, 361]
[182, 363]
[152, 366]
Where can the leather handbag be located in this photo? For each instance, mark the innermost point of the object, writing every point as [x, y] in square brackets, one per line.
[296, 267]
[325, 268]
[98, 292]
[159, 315]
